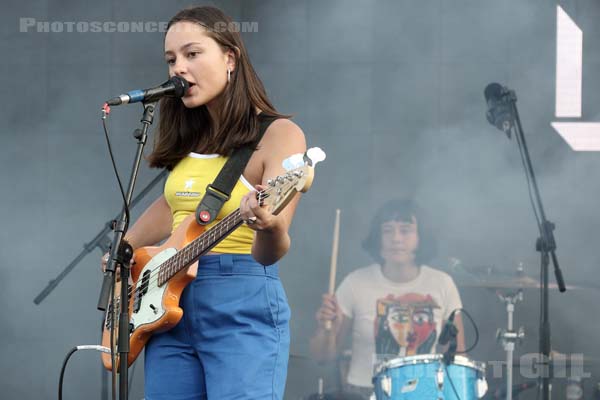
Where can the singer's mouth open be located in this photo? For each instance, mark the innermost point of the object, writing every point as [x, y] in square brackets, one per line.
[190, 86]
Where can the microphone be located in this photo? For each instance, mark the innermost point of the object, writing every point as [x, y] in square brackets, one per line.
[174, 87]
[499, 112]
[448, 331]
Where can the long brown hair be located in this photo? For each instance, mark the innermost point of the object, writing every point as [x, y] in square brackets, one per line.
[182, 130]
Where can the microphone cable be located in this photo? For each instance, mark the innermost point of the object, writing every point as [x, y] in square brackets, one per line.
[472, 347]
[111, 309]
[462, 311]
[105, 112]
[451, 383]
[68, 356]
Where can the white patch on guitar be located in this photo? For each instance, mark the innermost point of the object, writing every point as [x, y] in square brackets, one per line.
[312, 156]
[151, 307]
[293, 162]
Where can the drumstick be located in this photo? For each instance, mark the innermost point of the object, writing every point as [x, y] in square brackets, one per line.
[334, 255]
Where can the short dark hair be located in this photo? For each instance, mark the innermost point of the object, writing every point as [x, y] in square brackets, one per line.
[401, 210]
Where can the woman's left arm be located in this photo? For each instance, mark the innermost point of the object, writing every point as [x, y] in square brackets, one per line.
[282, 139]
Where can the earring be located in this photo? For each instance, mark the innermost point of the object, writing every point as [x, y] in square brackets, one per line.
[228, 75]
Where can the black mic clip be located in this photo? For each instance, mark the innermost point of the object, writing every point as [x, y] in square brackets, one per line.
[451, 352]
[449, 330]
[124, 253]
[448, 336]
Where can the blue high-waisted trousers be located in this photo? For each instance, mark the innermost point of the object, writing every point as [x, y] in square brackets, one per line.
[233, 340]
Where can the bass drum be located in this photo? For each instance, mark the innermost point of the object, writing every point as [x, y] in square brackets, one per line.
[426, 377]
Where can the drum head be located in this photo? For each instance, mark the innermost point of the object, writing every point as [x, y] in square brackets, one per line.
[427, 359]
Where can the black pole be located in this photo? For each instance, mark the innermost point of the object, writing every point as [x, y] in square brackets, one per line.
[121, 253]
[123, 343]
[101, 241]
[546, 245]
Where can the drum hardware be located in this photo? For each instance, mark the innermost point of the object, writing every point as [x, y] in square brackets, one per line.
[448, 337]
[509, 337]
[386, 385]
[440, 377]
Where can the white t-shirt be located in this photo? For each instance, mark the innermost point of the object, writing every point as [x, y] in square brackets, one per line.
[393, 319]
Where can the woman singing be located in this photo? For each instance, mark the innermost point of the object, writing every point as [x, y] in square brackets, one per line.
[233, 339]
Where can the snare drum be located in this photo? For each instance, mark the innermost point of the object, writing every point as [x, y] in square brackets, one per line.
[426, 377]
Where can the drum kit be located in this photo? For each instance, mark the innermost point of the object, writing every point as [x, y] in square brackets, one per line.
[430, 376]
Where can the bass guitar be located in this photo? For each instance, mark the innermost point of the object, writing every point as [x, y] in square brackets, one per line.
[160, 273]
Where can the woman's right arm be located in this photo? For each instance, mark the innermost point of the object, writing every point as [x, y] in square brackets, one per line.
[327, 340]
[153, 226]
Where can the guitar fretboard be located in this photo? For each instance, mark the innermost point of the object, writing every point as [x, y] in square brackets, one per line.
[199, 246]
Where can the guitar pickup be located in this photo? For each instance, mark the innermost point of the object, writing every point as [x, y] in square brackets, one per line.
[141, 290]
[108, 316]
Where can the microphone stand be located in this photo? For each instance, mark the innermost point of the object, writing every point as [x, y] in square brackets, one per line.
[545, 244]
[121, 253]
[101, 241]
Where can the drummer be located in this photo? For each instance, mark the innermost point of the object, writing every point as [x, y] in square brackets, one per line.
[394, 307]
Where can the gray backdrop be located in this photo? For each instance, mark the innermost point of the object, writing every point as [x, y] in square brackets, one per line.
[392, 90]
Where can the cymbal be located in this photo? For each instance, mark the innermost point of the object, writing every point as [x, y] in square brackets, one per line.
[492, 277]
[522, 282]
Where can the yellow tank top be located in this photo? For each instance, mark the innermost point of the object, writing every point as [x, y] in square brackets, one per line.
[185, 188]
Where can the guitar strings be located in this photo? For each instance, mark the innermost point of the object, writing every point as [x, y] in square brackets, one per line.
[212, 233]
[154, 275]
[155, 272]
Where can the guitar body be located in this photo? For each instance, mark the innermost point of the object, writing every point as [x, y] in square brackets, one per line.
[157, 307]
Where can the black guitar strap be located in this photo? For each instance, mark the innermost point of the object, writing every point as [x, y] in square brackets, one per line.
[218, 192]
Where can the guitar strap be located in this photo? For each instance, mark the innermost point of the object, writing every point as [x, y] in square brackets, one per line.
[218, 192]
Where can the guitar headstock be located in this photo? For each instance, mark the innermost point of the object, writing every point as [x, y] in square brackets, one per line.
[298, 178]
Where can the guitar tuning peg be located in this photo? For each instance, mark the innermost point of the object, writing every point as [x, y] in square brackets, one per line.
[271, 182]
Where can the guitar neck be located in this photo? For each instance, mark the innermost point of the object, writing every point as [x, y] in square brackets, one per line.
[277, 196]
[199, 246]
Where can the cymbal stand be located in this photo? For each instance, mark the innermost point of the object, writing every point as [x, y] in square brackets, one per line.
[509, 337]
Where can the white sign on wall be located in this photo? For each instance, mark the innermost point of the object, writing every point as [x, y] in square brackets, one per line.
[581, 136]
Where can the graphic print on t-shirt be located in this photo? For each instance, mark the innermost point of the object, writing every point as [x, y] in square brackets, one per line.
[405, 325]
